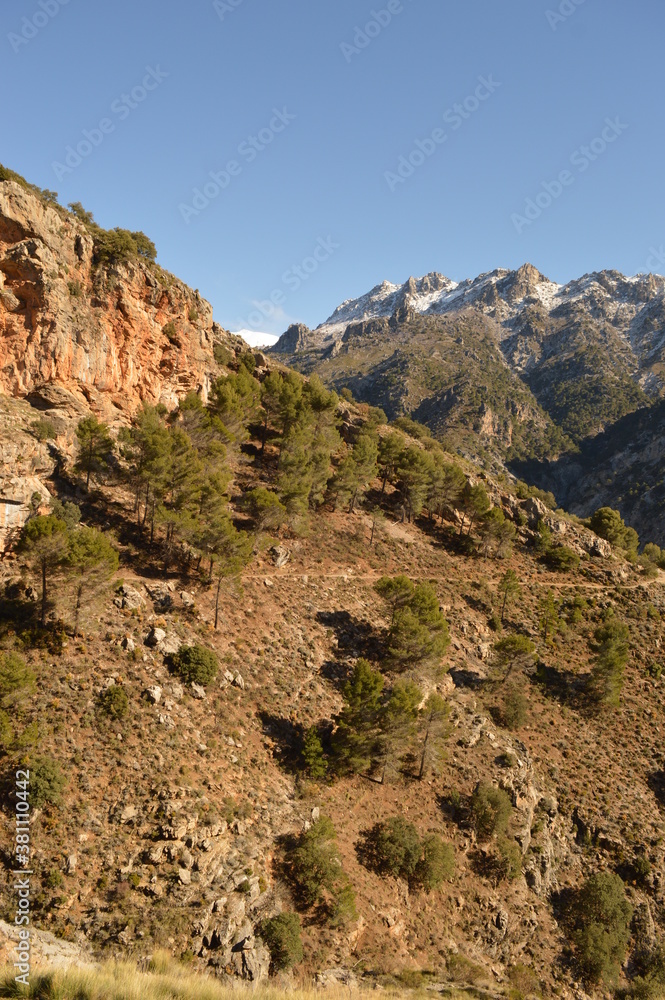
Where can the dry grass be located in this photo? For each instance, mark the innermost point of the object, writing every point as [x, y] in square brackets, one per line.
[122, 981]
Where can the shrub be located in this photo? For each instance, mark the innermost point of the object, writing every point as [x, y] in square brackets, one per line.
[265, 508]
[314, 864]
[523, 980]
[512, 712]
[43, 429]
[75, 288]
[170, 332]
[562, 559]
[510, 857]
[491, 809]
[437, 863]
[222, 355]
[46, 782]
[195, 664]
[601, 930]
[393, 848]
[16, 679]
[282, 937]
[113, 702]
[343, 907]
[312, 755]
[193, 314]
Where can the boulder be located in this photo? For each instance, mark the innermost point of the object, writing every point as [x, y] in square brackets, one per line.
[155, 636]
[280, 555]
[198, 691]
[154, 693]
[128, 598]
[128, 644]
[161, 595]
[170, 645]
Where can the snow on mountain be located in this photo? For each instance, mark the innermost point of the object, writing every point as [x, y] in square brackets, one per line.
[501, 293]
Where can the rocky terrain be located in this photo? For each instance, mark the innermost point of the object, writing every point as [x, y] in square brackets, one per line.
[174, 806]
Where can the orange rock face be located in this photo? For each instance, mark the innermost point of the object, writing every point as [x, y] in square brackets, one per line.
[99, 332]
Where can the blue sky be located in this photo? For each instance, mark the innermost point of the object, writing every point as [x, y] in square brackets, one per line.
[313, 210]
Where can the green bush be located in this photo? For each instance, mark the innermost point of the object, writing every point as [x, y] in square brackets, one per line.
[113, 702]
[601, 929]
[170, 332]
[562, 559]
[313, 758]
[195, 664]
[437, 863]
[393, 848]
[282, 937]
[491, 809]
[512, 711]
[43, 429]
[47, 782]
[222, 355]
[314, 864]
[16, 679]
[342, 909]
[510, 857]
[117, 246]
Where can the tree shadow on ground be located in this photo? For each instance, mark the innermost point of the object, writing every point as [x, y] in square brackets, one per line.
[354, 637]
[288, 735]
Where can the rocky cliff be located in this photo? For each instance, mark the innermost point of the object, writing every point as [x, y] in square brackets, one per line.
[113, 336]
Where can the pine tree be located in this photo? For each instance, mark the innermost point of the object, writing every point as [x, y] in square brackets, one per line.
[509, 590]
[446, 487]
[357, 469]
[419, 631]
[146, 448]
[93, 560]
[549, 608]
[236, 401]
[514, 651]
[390, 452]
[356, 739]
[231, 551]
[397, 591]
[475, 503]
[611, 646]
[497, 534]
[95, 446]
[313, 756]
[398, 726]
[414, 473]
[434, 722]
[45, 542]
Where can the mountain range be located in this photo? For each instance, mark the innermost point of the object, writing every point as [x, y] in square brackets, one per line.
[515, 371]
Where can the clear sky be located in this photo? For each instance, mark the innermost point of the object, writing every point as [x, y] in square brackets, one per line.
[305, 121]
